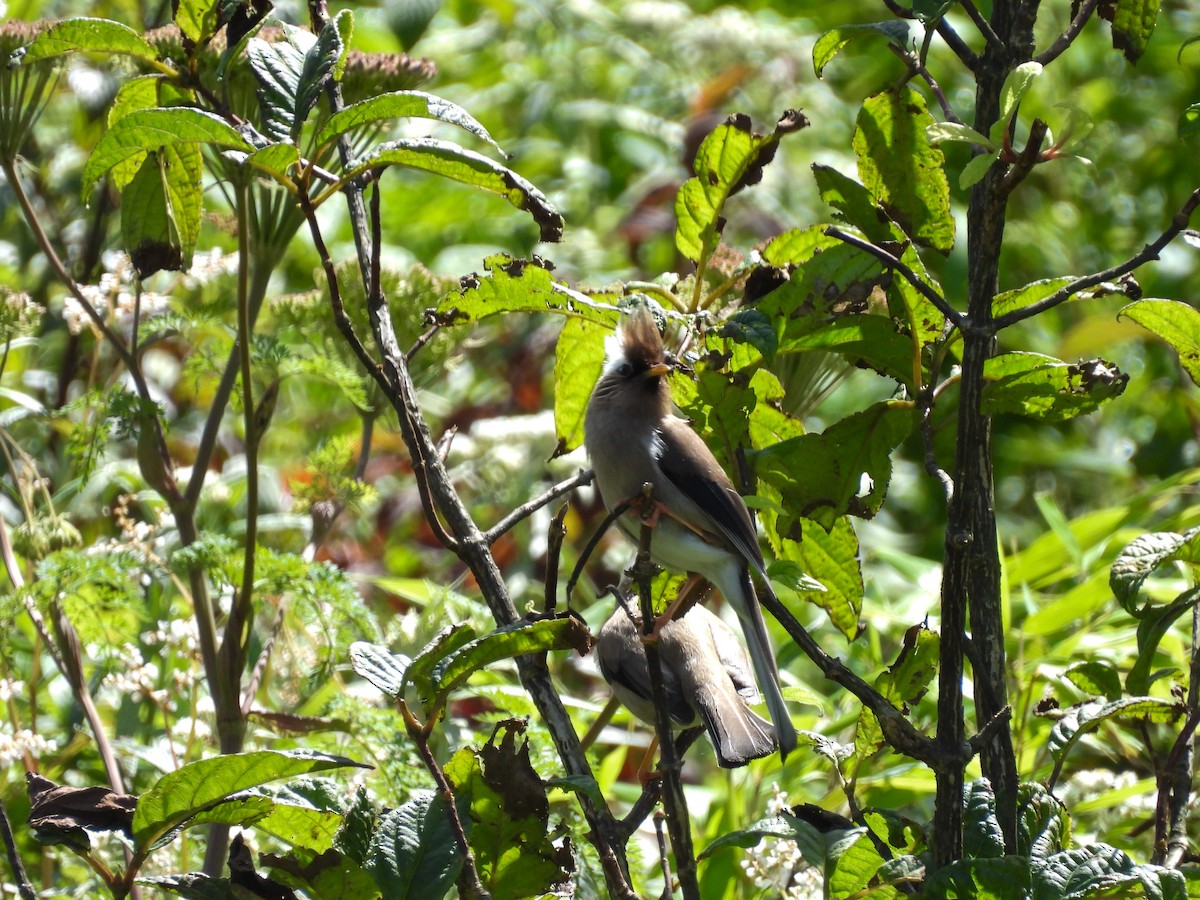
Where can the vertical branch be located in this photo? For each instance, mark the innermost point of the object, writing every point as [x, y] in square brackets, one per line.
[678, 824]
[24, 888]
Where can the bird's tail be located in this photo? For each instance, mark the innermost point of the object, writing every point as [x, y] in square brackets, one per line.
[763, 659]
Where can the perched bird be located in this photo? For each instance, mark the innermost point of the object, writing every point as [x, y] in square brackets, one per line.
[706, 676]
[701, 524]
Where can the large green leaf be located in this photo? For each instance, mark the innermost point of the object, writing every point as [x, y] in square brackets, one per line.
[1133, 23]
[413, 853]
[730, 158]
[856, 205]
[402, 104]
[901, 169]
[91, 36]
[146, 130]
[830, 557]
[578, 362]
[1088, 716]
[903, 684]
[518, 639]
[1142, 556]
[198, 19]
[821, 476]
[1176, 323]
[194, 788]
[1042, 387]
[518, 285]
[459, 164]
[1098, 870]
[160, 210]
[988, 878]
[832, 42]
[292, 73]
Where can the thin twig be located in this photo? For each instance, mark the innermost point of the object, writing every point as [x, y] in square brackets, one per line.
[1064, 40]
[580, 478]
[615, 513]
[946, 32]
[892, 262]
[916, 67]
[984, 26]
[1178, 223]
[664, 858]
[554, 540]
[1028, 158]
[24, 888]
[424, 338]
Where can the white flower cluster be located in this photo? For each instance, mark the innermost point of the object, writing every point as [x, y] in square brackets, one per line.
[209, 266]
[19, 315]
[113, 300]
[776, 866]
[134, 676]
[9, 688]
[14, 747]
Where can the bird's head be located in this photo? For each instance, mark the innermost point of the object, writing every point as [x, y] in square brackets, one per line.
[636, 354]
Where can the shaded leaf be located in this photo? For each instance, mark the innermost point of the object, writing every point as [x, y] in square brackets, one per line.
[192, 789]
[982, 835]
[1086, 717]
[991, 878]
[562, 633]
[379, 666]
[856, 205]
[153, 129]
[1095, 677]
[833, 42]
[459, 164]
[413, 852]
[1142, 556]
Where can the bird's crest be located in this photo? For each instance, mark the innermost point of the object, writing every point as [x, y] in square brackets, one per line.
[640, 342]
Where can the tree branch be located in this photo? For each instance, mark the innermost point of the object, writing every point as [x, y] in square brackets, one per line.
[580, 478]
[946, 32]
[910, 276]
[1178, 223]
[1064, 40]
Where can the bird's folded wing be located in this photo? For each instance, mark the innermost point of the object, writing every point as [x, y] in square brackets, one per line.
[693, 470]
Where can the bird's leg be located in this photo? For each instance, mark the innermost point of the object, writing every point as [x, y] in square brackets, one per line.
[680, 604]
[644, 773]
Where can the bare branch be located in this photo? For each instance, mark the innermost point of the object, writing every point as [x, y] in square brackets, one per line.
[916, 67]
[1064, 40]
[1178, 223]
[946, 32]
[580, 478]
[984, 26]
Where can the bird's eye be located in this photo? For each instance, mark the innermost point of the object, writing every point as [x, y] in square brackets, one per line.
[625, 369]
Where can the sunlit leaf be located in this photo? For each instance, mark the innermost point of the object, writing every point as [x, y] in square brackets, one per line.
[1176, 323]
[1042, 387]
[90, 36]
[833, 42]
[402, 104]
[1133, 23]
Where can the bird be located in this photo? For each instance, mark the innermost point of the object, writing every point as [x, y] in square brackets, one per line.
[705, 674]
[700, 522]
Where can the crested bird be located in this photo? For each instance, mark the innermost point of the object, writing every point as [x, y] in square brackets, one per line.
[705, 673]
[700, 523]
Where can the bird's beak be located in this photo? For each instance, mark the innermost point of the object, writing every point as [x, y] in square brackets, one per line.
[658, 370]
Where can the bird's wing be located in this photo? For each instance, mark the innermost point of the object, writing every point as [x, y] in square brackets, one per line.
[690, 466]
[623, 661]
[730, 652]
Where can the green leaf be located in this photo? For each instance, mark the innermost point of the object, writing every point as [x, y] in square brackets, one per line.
[1042, 387]
[518, 285]
[91, 36]
[1043, 823]
[194, 788]
[975, 170]
[798, 245]
[398, 105]
[578, 362]
[1176, 323]
[160, 210]
[833, 42]
[863, 340]
[926, 323]
[148, 130]
[459, 164]
[505, 799]
[1098, 870]
[302, 826]
[857, 446]
[991, 878]
[451, 639]
[291, 75]
[730, 158]
[813, 843]
[1189, 121]
[939, 132]
[753, 327]
[1015, 87]
[1085, 717]
[1142, 556]
[1153, 624]
[413, 852]
[1095, 677]
[193, 887]
[903, 684]
[829, 557]
[982, 836]
[856, 204]
[274, 159]
[518, 639]
[197, 19]
[1019, 298]
[899, 167]
[380, 667]
[1133, 23]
